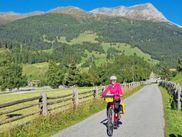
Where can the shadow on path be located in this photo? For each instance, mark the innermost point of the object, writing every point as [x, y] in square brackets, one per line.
[104, 122]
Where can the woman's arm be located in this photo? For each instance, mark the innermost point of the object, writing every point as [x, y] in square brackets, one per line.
[104, 92]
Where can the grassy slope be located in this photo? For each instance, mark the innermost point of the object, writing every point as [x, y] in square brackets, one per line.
[86, 36]
[173, 118]
[2, 50]
[44, 127]
[92, 38]
[37, 71]
[128, 50]
[178, 78]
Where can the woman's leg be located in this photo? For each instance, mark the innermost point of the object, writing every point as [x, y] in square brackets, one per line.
[115, 117]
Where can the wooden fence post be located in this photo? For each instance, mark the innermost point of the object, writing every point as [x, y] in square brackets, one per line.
[95, 93]
[179, 97]
[75, 98]
[43, 104]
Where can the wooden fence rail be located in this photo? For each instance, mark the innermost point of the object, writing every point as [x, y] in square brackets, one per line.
[175, 91]
[18, 102]
[46, 104]
[14, 110]
[58, 97]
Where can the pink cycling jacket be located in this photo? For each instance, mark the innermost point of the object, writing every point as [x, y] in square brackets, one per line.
[114, 89]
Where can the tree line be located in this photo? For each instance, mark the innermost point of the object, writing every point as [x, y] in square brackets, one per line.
[65, 66]
[126, 68]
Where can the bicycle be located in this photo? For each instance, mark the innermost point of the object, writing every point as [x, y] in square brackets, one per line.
[112, 117]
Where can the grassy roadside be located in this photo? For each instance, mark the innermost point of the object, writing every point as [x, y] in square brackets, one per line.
[44, 127]
[12, 97]
[173, 118]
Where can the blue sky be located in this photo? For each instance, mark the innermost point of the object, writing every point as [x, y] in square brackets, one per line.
[172, 9]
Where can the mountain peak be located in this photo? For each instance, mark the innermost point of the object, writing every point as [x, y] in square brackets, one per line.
[140, 12]
[64, 8]
[68, 10]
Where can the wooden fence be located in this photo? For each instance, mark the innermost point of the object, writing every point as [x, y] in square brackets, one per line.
[175, 91]
[47, 104]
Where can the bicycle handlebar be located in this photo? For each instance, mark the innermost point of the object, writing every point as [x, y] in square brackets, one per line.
[110, 95]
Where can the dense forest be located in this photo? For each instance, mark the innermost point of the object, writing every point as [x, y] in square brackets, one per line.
[161, 40]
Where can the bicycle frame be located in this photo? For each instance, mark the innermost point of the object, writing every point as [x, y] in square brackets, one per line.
[110, 100]
[111, 106]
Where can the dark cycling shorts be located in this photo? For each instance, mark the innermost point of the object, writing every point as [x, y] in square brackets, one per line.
[117, 106]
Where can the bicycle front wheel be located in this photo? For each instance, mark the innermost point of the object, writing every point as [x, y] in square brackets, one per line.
[110, 122]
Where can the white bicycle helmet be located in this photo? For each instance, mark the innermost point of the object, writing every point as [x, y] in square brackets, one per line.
[113, 78]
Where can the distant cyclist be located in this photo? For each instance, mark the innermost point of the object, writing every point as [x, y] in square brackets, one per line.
[115, 89]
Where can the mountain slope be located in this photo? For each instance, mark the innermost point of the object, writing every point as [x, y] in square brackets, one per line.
[138, 12]
[6, 17]
[159, 39]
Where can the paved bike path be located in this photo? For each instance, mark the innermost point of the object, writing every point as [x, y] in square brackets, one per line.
[143, 118]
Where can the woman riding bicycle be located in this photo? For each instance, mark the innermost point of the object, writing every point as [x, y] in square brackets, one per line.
[116, 90]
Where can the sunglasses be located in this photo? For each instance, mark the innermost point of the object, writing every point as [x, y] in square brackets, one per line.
[113, 80]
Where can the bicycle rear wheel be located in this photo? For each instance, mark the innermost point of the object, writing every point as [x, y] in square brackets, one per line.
[110, 122]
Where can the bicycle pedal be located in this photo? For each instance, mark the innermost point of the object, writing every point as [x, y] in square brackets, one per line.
[115, 126]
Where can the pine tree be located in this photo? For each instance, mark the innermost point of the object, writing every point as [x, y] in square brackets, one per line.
[11, 76]
[6, 57]
[73, 76]
[179, 65]
[55, 74]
